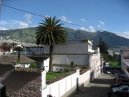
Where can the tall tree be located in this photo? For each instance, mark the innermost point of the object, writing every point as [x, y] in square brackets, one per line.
[103, 46]
[13, 44]
[50, 32]
[18, 48]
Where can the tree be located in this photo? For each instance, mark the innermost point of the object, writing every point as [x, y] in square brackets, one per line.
[5, 46]
[50, 33]
[103, 46]
[13, 44]
[18, 48]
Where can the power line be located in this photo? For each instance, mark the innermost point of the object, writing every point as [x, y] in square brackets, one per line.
[41, 15]
[22, 10]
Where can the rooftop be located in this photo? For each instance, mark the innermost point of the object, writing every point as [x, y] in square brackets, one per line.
[23, 84]
[12, 59]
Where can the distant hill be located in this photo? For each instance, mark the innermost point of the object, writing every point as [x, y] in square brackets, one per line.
[28, 35]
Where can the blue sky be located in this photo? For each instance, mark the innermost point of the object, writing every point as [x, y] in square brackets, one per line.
[110, 15]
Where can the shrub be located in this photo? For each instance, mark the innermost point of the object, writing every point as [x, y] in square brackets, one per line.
[72, 64]
[33, 65]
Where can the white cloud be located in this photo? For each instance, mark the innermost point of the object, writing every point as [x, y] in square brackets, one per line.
[47, 16]
[101, 23]
[23, 25]
[99, 26]
[123, 34]
[28, 17]
[83, 20]
[19, 24]
[13, 24]
[65, 19]
[89, 29]
[3, 28]
[83, 28]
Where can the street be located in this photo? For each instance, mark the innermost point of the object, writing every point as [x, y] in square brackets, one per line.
[97, 88]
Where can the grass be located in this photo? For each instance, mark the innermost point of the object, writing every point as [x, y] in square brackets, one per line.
[56, 75]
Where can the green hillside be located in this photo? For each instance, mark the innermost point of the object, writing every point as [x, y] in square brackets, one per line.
[28, 35]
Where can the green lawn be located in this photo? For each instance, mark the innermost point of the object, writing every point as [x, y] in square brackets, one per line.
[55, 75]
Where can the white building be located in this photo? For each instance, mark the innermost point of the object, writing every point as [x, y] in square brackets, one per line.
[125, 61]
[77, 52]
[80, 53]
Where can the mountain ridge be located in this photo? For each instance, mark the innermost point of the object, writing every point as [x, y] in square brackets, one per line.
[28, 35]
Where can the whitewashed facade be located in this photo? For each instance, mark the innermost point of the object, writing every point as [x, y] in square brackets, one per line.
[125, 61]
[80, 54]
[77, 52]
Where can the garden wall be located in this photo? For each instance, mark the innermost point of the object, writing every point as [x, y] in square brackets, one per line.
[67, 85]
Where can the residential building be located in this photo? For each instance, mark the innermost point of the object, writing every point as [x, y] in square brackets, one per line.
[125, 61]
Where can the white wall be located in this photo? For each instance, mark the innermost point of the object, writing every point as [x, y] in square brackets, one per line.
[124, 62]
[95, 63]
[67, 85]
[67, 59]
[69, 48]
[46, 64]
[59, 88]
[22, 65]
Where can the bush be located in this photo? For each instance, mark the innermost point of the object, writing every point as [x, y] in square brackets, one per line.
[33, 65]
[72, 64]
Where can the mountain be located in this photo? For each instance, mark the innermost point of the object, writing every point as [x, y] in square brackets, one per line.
[28, 35]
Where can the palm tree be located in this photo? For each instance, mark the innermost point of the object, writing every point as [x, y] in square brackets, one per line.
[18, 48]
[13, 44]
[50, 33]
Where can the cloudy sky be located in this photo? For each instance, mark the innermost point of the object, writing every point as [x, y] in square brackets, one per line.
[89, 15]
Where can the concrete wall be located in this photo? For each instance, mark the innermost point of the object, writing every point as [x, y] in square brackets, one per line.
[61, 87]
[46, 64]
[67, 85]
[22, 65]
[67, 59]
[95, 63]
[69, 48]
[124, 63]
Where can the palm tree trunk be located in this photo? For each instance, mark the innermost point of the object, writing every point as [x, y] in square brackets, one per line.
[18, 57]
[50, 61]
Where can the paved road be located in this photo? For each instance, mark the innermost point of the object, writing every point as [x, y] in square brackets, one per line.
[97, 88]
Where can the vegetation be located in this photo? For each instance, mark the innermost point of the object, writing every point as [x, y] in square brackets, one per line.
[50, 32]
[13, 46]
[113, 61]
[33, 65]
[54, 76]
[18, 48]
[5, 46]
[103, 46]
[28, 35]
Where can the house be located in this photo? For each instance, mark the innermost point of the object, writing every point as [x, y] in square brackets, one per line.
[78, 53]
[13, 60]
[30, 50]
[36, 52]
[125, 61]
[19, 82]
[72, 53]
[23, 84]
